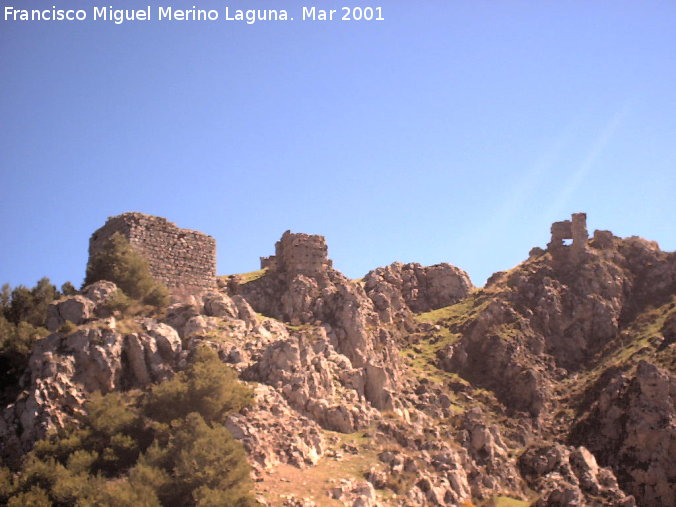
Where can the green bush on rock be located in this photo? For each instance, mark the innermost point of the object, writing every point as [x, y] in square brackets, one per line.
[118, 262]
[163, 447]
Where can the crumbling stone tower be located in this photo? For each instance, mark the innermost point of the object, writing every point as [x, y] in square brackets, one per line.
[574, 229]
[298, 253]
[183, 260]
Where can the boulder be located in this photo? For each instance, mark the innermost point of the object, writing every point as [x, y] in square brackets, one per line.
[76, 309]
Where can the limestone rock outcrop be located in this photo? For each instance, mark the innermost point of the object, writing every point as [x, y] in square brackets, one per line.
[89, 304]
[567, 476]
[567, 311]
[544, 318]
[319, 382]
[302, 288]
[400, 287]
[64, 369]
[76, 309]
[273, 433]
[354, 493]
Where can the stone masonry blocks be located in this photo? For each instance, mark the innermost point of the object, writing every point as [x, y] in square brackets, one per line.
[299, 253]
[181, 259]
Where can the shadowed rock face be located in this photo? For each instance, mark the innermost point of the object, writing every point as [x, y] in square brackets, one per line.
[631, 427]
[572, 312]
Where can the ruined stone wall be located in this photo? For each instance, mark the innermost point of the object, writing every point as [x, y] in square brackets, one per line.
[179, 258]
[299, 253]
[578, 230]
[574, 229]
[560, 231]
[269, 262]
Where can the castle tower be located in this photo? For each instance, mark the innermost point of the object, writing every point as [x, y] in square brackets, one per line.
[181, 259]
[575, 230]
[298, 253]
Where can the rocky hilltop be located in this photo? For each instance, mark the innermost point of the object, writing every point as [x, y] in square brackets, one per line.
[553, 385]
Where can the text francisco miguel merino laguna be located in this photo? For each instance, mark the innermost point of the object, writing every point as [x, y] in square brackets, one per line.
[168, 13]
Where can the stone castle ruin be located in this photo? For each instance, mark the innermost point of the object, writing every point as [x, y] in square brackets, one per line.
[298, 253]
[185, 260]
[575, 230]
[182, 259]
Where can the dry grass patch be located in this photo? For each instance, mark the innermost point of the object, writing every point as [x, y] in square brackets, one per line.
[251, 275]
[505, 501]
[315, 482]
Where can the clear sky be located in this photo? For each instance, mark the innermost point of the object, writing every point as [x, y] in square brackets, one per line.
[453, 131]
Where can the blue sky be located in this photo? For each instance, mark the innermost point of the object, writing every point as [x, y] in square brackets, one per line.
[453, 131]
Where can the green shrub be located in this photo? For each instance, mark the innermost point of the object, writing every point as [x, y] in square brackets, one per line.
[25, 335]
[205, 387]
[7, 487]
[118, 262]
[35, 497]
[207, 464]
[122, 494]
[23, 313]
[81, 461]
[157, 296]
[151, 476]
[68, 289]
[130, 450]
[29, 305]
[16, 342]
[7, 332]
[119, 302]
[5, 297]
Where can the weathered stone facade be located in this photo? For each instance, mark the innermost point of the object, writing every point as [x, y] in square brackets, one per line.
[299, 253]
[181, 259]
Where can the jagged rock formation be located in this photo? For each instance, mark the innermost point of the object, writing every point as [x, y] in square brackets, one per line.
[66, 367]
[569, 312]
[317, 381]
[273, 433]
[563, 313]
[554, 384]
[569, 476]
[399, 289]
[79, 309]
[301, 287]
